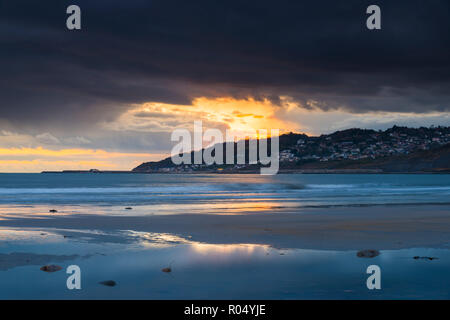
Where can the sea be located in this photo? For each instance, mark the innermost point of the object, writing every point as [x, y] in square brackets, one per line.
[204, 190]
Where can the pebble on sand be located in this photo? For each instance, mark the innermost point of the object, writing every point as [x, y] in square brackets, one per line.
[51, 268]
[108, 283]
[367, 253]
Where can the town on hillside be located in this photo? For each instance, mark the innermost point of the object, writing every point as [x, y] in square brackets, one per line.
[296, 149]
[357, 144]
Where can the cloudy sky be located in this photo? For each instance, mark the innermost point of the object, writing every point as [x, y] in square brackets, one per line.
[109, 95]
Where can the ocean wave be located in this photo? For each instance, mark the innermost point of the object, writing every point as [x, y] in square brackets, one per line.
[90, 190]
[258, 186]
[230, 187]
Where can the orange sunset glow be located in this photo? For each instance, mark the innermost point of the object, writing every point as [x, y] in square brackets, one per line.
[242, 118]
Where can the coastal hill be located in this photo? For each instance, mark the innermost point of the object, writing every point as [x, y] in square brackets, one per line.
[398, 149]
[436, 160]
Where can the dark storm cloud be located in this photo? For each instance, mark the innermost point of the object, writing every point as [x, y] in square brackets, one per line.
[171, 51]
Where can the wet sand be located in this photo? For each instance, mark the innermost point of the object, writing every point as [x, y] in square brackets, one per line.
[333, 228]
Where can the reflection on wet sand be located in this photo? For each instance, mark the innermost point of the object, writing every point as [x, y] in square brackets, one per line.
[19, 259]
[160, 240]
[228, 249]
[8, 235]
[217, 208]
[203, 270]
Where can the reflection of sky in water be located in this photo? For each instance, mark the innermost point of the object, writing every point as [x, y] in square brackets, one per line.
[218, 208]
[206, 271]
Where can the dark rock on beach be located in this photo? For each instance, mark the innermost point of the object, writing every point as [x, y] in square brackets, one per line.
[367, 253]
[108, 283]
[51, 268]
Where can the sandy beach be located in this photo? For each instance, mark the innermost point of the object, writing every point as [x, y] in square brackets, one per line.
[307, 254]
[224, 236]
[332, 228]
